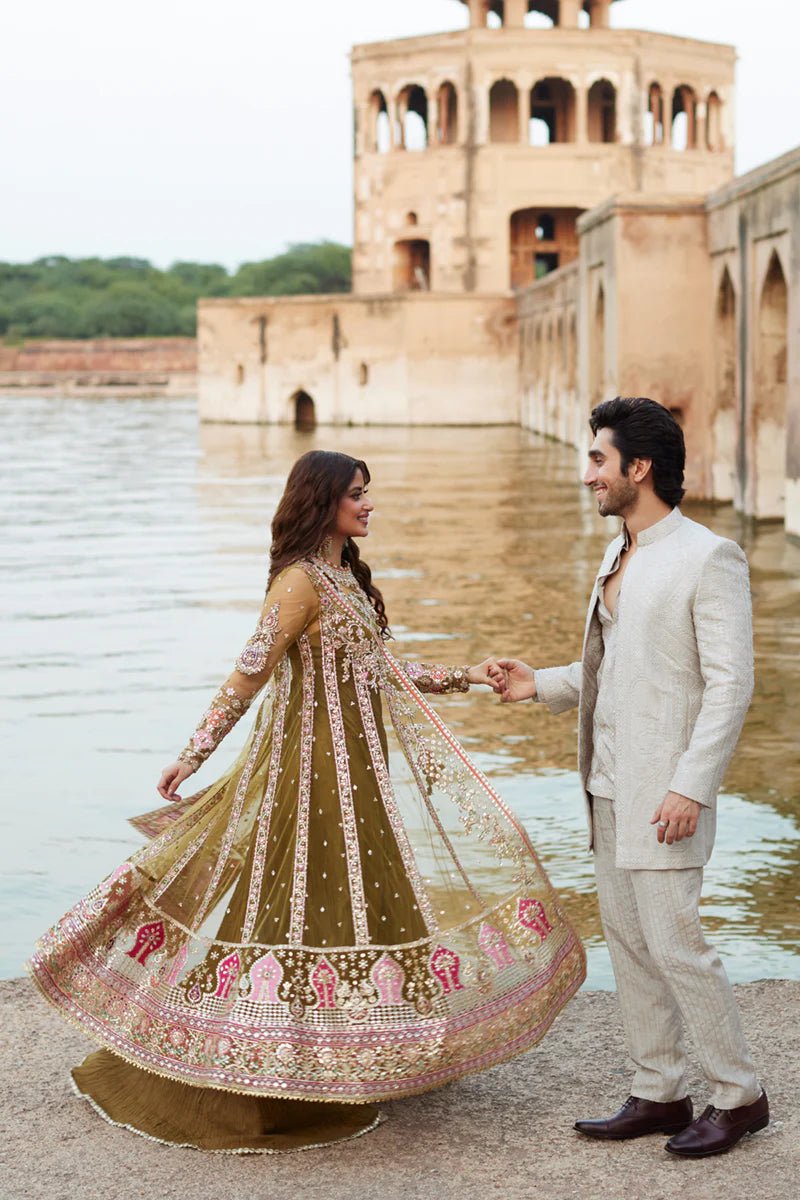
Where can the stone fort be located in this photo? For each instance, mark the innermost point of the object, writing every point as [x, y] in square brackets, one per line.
[546, 215]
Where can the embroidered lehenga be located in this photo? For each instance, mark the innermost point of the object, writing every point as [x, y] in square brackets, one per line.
[349, 915]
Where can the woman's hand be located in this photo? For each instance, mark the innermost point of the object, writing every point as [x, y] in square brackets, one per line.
[486, 672]
[171, 778]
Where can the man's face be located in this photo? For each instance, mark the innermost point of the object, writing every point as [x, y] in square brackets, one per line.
[616, 493]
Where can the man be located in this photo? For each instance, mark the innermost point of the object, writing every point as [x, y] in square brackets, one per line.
[662, 687]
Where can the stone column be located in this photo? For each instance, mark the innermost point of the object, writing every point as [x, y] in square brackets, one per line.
[569, 12]
[523, 110]
[701, 125]
[599, 14]
[394, 116]
[477, 13]
[432, 101]
[515, 13]
[581, 115]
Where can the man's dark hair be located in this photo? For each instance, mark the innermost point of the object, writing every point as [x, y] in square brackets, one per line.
[641, 428]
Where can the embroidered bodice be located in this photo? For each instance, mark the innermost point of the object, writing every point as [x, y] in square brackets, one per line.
[293, 608]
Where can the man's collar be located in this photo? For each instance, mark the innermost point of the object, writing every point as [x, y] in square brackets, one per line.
[654, 533]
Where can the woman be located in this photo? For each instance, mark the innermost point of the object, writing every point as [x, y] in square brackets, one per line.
[336, 921]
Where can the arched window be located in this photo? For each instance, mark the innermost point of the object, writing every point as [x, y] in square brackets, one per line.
[305, 416]
[447, 115]
[724, 426]
[714, 139]
[597, 349]
[240, 373]
[504, 111]
[380, 134]
[552, 116]
[602, 112]
[684, 118]
[654, 117]
[412, 265]
[412, 116]
[771, 394]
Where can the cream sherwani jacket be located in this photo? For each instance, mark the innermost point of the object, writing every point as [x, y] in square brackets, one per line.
[683, 681]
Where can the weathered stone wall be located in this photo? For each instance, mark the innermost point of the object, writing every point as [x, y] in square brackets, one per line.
[385, 360]
[451, 179]
[754, 246]
[152, 365]
[550, 402]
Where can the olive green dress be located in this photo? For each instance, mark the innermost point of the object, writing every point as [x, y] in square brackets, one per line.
[350, 914]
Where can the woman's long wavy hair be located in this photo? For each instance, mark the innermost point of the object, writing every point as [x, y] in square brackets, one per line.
[306, 515]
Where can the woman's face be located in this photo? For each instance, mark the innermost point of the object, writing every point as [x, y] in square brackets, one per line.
[352, 516]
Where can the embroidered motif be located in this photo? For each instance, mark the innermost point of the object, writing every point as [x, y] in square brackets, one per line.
[445, 966]
[253, 659]
[532, 916]
[148, 938]
[436, 679]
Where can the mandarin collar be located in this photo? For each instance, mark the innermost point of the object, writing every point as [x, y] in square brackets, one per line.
[654, 533]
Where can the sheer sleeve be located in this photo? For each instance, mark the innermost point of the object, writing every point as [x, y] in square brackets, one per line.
[291, 605]
[435, 678]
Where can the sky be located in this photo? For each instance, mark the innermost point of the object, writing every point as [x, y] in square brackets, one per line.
[185, 130]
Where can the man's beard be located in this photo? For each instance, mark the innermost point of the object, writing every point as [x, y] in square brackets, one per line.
[619, 499]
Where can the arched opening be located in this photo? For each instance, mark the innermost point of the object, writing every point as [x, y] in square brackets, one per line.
[770, 400]
[447, 115]
[654, 117]
[495, 14]
[540, 242]
[504, 112]
[363, 375]
[380, 134]
[714, 140]
[239, 373]
[684, 118]
[597, 349]
[552, 114]
[305, 416]
[572, 353]
[411, 218]
[535, 19]
[412, 265]
[602, 112]
[724, 428]
[412, 115]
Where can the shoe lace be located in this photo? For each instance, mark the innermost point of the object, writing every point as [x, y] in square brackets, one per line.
[711, 1114]
[631, 1102]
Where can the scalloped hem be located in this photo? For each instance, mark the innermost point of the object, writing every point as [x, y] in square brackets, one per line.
[348, 1137]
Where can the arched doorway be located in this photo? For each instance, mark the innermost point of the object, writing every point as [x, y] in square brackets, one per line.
[503, 112]
[769, 410]
[305, 416]
[724, 423]
[412, 265]
[602, 112]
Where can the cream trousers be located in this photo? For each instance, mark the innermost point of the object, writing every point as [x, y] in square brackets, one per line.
[668, 977]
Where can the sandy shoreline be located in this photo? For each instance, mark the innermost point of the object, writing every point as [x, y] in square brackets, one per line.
[507, 1133]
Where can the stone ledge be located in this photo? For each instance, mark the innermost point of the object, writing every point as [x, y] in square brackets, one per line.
[507, 1133]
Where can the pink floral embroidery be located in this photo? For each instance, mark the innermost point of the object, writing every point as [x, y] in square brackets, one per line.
[445, 965]
[324, 980]
[227, 974]
[388, 977]
[495, 946]
[265, 976]
[149, 937]
[532, 915]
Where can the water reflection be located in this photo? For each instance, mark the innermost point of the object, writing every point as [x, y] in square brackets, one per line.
[136, 562]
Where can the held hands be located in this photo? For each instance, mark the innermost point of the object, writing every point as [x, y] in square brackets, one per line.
[513, 679]
[486, 672]
[171, 778]
[677, 818]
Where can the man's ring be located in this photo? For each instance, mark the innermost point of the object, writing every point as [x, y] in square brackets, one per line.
[663, 824]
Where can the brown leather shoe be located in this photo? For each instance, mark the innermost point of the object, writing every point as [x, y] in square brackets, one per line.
[639, 1117]
[719, 1129]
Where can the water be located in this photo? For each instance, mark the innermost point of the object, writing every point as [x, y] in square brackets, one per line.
[134, 564]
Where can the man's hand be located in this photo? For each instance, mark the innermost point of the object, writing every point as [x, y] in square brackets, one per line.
[487, 672]
[676, 817]
[516, 680]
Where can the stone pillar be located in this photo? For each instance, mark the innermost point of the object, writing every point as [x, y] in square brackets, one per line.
[395, 134]
[581, 115]
[432, 120]
[701, 125]
[477, 13]
[569, 12]
[515, 13]
[599, 14]
[523, 110]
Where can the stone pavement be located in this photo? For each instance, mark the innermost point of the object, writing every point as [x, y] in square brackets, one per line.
[506, 1134]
